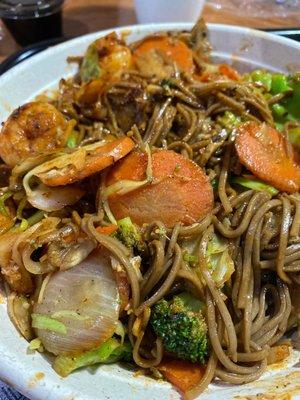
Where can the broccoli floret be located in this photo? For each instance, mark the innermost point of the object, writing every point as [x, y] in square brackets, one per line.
[182, 327]
[129, 234]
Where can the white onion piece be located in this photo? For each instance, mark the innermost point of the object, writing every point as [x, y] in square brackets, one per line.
[88, 290]
[18, 308]
[64, 257]
[54, 198]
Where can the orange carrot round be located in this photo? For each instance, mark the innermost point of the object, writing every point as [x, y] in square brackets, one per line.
[95, 161]
[107, 230]
[179, 192]
[267, 154]
[184, 375]
[229, 72]
[175, 49]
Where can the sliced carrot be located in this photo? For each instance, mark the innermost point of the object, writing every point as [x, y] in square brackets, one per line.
[217, 72]
[175, 49]
[184, 375]
[179, 192]
[95, 161]
[229, 72]
[268, 155]
[107, 230]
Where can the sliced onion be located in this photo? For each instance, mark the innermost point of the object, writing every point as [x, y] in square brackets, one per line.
[18, 308]
[52, 199]
[90, 290]
[26, 244]
[12, 268]
[64, 257]
[7, 241]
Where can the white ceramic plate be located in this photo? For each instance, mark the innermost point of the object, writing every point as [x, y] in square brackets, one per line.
[32, 375]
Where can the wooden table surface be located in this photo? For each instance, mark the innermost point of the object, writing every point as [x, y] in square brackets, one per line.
[83, 16]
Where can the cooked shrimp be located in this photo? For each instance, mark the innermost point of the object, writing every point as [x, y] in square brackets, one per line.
[268, 155]
[84, 162]
[179, 191]
[105, 60]
[173, 49]
[33, 129]
[114, 55]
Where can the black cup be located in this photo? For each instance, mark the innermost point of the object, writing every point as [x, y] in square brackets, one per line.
[32, 21]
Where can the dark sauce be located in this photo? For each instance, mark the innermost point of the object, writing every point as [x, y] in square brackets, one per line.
[32, 22]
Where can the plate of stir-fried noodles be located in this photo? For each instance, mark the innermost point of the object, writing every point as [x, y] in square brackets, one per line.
[150, 216]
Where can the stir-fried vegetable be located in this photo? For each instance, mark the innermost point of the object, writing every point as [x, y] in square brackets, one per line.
[72, 140]
[279, 84]
[182, 327]
[183, 374]
[268, 155]
[229, 120]
[84, 162]
[287, 108]
[262, 78]
[19, 310]
[90, 68]
[3, 208]
[91, 292]
[179, 191]
[130, 234]
[254, 184]
[43, 322]
[219, 261]
[294, 137]
[12, 267]
[6, 219]
[109, 352]
[35, 344]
